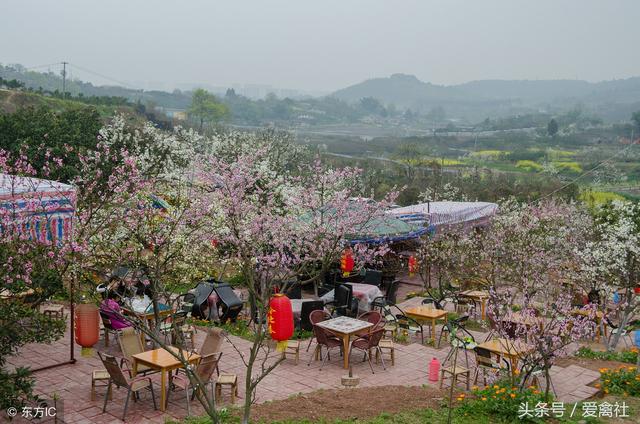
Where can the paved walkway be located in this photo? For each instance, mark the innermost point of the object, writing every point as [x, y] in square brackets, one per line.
[72, 383]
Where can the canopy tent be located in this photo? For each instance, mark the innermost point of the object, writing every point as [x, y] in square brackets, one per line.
[388, 229]
[441, 214]
[42, 208]
[45, 210]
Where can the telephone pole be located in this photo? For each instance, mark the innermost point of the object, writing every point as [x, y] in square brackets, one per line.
[64, 80]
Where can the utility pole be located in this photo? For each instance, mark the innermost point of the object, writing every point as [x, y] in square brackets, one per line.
[64, 80]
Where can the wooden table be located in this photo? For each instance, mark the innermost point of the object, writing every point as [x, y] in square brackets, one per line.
[425, 313]
[163, 360]
[477, 296]
[344, 328]
[510, 349]
[525, 320]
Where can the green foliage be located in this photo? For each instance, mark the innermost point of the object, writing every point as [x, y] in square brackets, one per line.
[36, 131]
[622, 381]
[500, 400]
[629, 356]
[595, 198]
[635, 117]
[205, 107]
[568, 166]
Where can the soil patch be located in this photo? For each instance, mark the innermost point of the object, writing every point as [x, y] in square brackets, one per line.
[366, 402]
[591, 364]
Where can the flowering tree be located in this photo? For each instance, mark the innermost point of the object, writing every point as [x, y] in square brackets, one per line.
[611, 260]
[278, 227]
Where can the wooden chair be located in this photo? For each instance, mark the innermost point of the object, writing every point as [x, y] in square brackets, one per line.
[293, 348]
[176, 328]
[96, 377]
[119, 379]
[485, 362]
[454, 372]
[386, 344]
[230, 380]
[53, 311]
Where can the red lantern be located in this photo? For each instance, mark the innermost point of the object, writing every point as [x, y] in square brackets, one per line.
[346, 263]
[280, 320]
[87, 323]
[413, 265]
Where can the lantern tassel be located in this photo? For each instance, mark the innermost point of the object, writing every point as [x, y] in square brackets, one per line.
[86, 352]
[281, 346]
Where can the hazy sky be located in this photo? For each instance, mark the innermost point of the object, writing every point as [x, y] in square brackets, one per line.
[325, 44]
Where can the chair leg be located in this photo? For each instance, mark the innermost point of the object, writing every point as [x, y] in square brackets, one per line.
[367, 356]
[153, 396]
[475, 377]
[106, 337]
[188, 399]
[309, 345]
[126, 404]
[378, 350]
[104, 407]
[313, 355]
[325, 359]
[441, 378]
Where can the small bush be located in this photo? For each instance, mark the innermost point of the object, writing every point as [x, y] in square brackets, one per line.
[501, 400]
[630, 356]
[622, 381]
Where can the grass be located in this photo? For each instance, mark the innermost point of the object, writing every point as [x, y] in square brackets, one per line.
[490, 154]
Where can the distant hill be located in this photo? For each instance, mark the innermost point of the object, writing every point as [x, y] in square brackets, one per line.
[613, 99]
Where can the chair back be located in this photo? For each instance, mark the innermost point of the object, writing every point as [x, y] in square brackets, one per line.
[130, 343]
[207, 366]
[343, 295]
[374, 317]
[375, 336]
[115, 372]
[293, 289]
[213, 341]
[318, 316]
[483, 357]
[392, 291]
[106, 320]
[322, 338]
[372, 277]
[305, 313]
[231, 303]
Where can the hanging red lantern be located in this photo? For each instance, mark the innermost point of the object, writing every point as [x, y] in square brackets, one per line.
[346, 263]
[87, 323]
[280, 320]
[413, 265]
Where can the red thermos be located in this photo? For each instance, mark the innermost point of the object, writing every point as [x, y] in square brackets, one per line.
[434, 369]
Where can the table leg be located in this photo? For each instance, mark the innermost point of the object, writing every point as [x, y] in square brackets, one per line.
[433, 332]
[483, 305]
[345, 350]
[163, 390]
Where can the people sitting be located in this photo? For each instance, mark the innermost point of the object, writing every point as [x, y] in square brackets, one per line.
[140, 302]
[111, 308]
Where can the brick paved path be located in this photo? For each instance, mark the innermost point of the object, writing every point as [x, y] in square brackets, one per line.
[72, 382]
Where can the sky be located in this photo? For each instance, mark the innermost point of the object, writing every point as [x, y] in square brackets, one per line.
[322, 45]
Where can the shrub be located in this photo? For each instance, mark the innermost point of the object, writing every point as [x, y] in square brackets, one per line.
[501, 400]
[622, 381]
[630, 356]
[568, 166]
[529, 165]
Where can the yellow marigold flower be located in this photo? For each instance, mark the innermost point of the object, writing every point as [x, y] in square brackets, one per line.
[474, 388]
[606, 390]
[461, 395]
[516, 372]
[513, 395]
[597, 385]
[496, 386]
[532, 387]
[484, 398]
[513, 388]
[602, 370]
[536, 392]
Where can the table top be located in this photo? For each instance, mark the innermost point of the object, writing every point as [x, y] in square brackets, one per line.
[344, 325]
[425, 312]
[149, 314]
[161, 358]
[479, 294]
[519, 318]
[506, 347]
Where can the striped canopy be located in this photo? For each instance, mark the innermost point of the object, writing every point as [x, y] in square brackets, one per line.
[42, 208]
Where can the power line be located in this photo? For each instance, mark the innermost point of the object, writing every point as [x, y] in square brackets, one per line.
[579, 177]
[103, 76]
[42, 66]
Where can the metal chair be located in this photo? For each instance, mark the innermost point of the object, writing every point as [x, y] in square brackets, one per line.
[315, 317]
[204, 371]
[119, 379]
[369, 343]
[324, 339]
